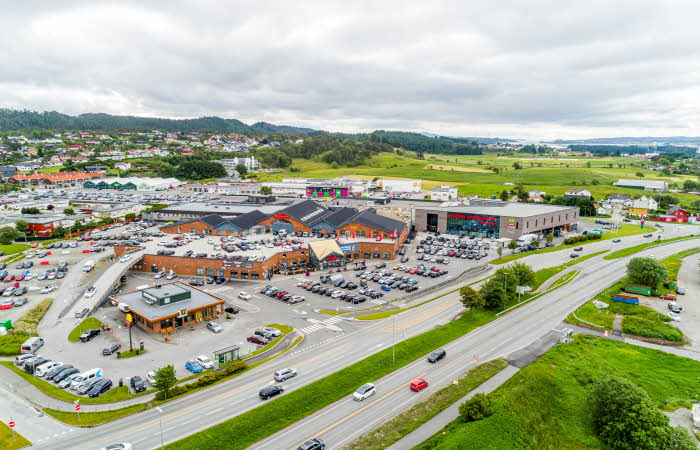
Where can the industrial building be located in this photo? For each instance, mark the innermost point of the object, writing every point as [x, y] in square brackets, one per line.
[496, 219]
[647, 185]
[133, 184]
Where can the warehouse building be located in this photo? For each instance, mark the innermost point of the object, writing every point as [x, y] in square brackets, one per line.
[647, 185]
[496, 219]
[133, 184]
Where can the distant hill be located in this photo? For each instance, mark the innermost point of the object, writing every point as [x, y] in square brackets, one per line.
[15, 120]
[483, 140]
[265, 127]
[647, 140]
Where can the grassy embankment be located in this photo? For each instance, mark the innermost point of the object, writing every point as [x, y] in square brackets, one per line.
[7, 442]
[86, 324]
[25, 326]
[544, 405]
[638, 248]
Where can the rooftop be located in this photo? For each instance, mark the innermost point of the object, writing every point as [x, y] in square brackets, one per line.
[509, 209]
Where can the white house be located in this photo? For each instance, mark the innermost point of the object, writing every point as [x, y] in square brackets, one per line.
[123, 165]
[645, 202]
[578, 193]
[443, 193]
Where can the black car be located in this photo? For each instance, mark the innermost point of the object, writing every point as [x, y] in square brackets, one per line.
[89, 334]
[56, 370]
[196, 282]
[65, 373]
[137, 384]
[232, 310]
[111, 349]
[313, 444]
[270, 391]
[100, 388]
[436, 356]
[33, 364]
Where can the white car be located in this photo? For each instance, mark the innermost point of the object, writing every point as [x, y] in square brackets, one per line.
[205, 362]
[45, 368]
[675, 317]
[30, 276]
[171, 276]
[364, 391]
[284, 374]
[215, 327]
[90, 291]
[48, 289]
[125, 258]
[273, 331]
[245, 296]
[65, 252]
[31, 254]
[337, 294]
[159, 275]
[151, 377]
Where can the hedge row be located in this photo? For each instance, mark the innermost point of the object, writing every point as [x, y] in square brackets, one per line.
[584, 238]
[651, 329]
[29, 322]
[204, 379]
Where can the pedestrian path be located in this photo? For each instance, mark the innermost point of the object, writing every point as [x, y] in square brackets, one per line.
[327, 324]
[415, 318]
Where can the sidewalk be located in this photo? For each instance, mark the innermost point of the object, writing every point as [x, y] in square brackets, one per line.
[437, 423]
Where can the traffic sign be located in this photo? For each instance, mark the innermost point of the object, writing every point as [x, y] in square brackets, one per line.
[11, 424]
[476, 357]
[77, 407]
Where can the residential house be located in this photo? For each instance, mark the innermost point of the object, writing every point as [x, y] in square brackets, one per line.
[675, 214]
[123, 165]
[8, 172]
[443, 193]
[643, 205]
[95, 169]
[624, 200]
[578, 193]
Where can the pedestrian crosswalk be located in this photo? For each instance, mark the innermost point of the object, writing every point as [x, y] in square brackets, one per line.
[413, 319]
[321, 324]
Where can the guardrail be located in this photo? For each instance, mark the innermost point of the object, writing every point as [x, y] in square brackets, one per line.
[465, 274]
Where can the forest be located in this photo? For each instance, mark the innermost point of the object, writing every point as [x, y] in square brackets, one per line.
[616, 150]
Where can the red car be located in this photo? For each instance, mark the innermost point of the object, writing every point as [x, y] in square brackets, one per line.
[418, 384]
[19, 278]
[35, 244]
[86, 251]
[257, 340]
[9, 278]
[281, 294]
[44, 263]
[668, 297]
[413, 271]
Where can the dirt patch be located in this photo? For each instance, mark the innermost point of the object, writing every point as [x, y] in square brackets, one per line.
[457, 168]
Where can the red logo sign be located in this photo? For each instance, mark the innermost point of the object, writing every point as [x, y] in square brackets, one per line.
[77, 407]
[281, 216]
[484, 220]
[11, 424]
[332, 258]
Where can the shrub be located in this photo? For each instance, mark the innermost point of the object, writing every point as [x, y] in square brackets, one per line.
[476, 408]
[172, 392]
[584, 238]
[29, 322]
[651, 329]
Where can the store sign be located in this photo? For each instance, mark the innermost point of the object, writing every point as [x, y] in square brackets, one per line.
[183, 313]
[511, 223]
[349, 247]
[327, 192]
[331, 258]
[484, 220]
[281, 216]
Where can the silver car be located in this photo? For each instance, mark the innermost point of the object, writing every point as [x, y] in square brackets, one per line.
[215, 327]
[284, 374]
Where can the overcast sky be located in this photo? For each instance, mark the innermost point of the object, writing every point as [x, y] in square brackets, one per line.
[528, 69]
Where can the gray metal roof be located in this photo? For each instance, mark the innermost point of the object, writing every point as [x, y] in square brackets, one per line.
[509, 209]
[138, 305]
[224, 209]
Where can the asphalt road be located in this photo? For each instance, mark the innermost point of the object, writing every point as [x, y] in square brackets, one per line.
[344, 420]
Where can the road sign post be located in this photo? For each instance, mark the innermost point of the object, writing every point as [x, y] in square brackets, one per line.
[77, 409]
[11, 424]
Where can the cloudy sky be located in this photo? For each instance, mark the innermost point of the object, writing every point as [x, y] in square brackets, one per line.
[529, 69]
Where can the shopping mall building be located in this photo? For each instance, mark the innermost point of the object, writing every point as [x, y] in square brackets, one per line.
[496, 219]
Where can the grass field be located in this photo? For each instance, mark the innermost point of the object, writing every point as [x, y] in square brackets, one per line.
[86, 324]
[398, 427]
[673, 265]
[89, 419]
[638, 248]
[11, 249]
[7, 442]
[545, 274]
[544, 405]
[285, 329]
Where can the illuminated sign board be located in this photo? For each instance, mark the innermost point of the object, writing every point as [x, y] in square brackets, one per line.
[484, 220]
[348, 248]
[327, 192]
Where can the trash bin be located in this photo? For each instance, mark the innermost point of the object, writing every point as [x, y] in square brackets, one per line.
[141, 345]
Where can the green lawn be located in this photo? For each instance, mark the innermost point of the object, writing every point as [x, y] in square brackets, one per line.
[673, 264]
[544, 405]
[89, 419]
[11, 249]
[86, 324]
[398, 427]
[296, 405]
[545, 274]
[11, 345]
[285, 329]
[7, 442]
[638, 248]
[131, 353]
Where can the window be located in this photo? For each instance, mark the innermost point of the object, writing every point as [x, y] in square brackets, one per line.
[221, 233]
[179, 230]
[194, 231]
[387, 255]
[244, 275]
[360, 234]
[535, 222]
[210, 272]
[219, 272]
[255, 276]
[376, 255]
[375, 234]
[551, 219]
[234, 274]
[366, 255]
[207, 232]
[200, 272]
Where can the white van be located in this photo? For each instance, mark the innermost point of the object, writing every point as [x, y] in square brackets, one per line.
[46, 368]
[32, 344]
[88, 266]
[85, 376]
[526, 239]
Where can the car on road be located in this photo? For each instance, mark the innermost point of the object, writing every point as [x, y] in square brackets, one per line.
[244, 296]
[100, 387]
[257, 340]
[616, 240]
[668, 297]
[673, 316]
[82, 313]
[215, 327]
[137, 384]
[90, 291]
[88, 335]
[313, 444]
[674, 307]
[436, 356]
[574, 255]
[578, 249]
[284, 374]
[124, 258]
[648, 235]
[364, 391]
[418, 384]
[119, 446]
[680, 290]
[111, 349]
[205, 362]
[193, 366]
[270, 391]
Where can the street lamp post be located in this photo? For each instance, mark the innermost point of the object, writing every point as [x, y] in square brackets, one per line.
[393, 339]
[160, 416]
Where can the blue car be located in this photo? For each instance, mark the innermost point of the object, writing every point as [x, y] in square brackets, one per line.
[385, 288]
[193, 366]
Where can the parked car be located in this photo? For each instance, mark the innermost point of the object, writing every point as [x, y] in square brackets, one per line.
[668, 297]
[673, 307]
[151, 377]
[215, 327]
[82, 313]
[20, 301]
[90, 291]
[270, 391]
[85, 387]
[196, 282]
[88, 335]
[137, 384]
[244, 296]
[680, 290]
[284, 374]
[63, 374]
[100, 387]
[111, 349]
[193, 366]
[257, 340]
[274, 331]
[364, 391]
[205, 362]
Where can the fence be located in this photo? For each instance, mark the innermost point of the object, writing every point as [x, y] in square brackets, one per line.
[461, 277]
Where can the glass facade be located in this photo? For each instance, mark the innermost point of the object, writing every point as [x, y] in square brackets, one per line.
[472, 225]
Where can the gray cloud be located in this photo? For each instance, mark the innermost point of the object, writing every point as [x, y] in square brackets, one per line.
[524, 69]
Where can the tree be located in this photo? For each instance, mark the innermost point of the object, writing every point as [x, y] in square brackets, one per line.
[523, 272]
[22, 226]
[499, 251]
[8, 235]
[517, 166]
[549, 238]
[266, 190]
[470, 298]
[476, 408]
[69, 211]
[504, 195]
[639, 174]
[535, 242]
[646, 271]
[241, 169]
[512, 245]
[165, 379]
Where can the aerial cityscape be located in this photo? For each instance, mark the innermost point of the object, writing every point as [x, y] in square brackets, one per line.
[350, 225]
